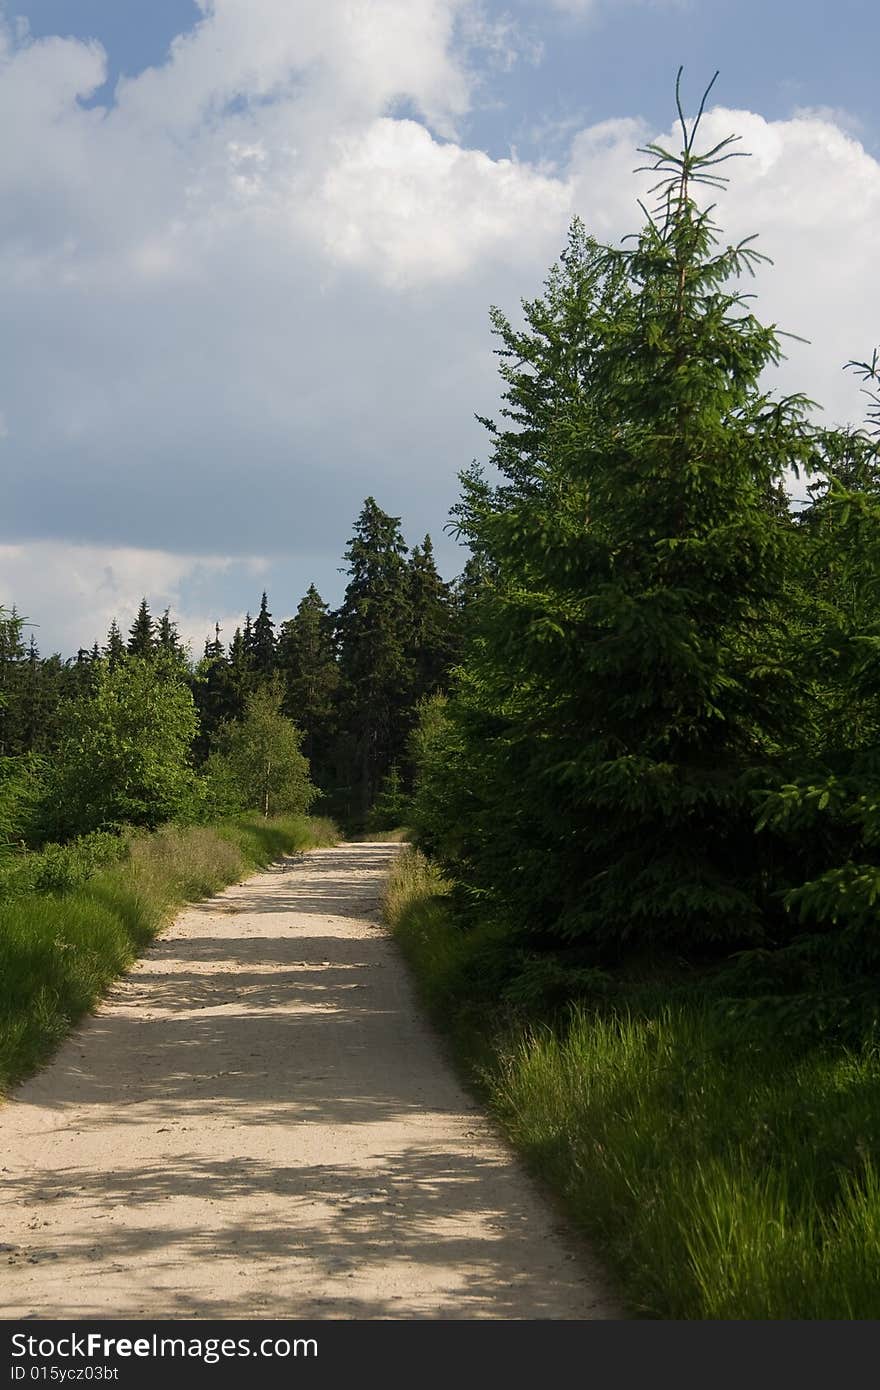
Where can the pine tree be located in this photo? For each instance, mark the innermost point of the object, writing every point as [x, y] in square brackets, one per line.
[36, 710]
[114, 650]
[308, 665]
[824, 805]
[142, 633]
[431, 643]
[13, 683]
[247, 641]
[263, 642]
[214, 691]
[168, 642]
[373, 625]
[622, 696]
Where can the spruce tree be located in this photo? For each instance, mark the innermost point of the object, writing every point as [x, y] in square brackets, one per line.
[263, 642]
[824, 805]
[114, 649]
[373, 626]
[431, 641]
[309, 669]
[142, 633]
[13, 683]
[168, 642]
[622, 696]
[214, 692]
[247, 641]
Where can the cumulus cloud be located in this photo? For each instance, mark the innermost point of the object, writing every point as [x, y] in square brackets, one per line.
[75, 591]
[255, 288]
[810, 191]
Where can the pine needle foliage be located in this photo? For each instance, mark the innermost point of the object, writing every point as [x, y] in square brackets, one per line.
[625, 689]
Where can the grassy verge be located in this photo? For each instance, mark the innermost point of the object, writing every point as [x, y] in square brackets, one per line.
[59, 950]
[398, 836]
[722, 1174]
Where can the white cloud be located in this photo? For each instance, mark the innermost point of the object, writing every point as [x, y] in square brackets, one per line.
[69, 594]
[250, 293]
[411, 211]
[582, 8]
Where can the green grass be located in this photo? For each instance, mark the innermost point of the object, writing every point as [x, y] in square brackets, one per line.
[721, 1173]
[60, 950]
[398, 836]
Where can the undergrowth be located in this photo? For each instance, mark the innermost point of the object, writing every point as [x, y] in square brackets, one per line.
[73, 917]
[723, 1172]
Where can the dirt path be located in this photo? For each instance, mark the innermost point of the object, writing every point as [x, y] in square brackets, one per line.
[258, 1122]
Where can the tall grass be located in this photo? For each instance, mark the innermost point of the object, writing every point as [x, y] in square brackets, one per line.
[60, 950]
[723, 1175]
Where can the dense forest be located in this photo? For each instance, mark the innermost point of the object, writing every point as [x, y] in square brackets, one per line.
[136, 732]
[638, 741]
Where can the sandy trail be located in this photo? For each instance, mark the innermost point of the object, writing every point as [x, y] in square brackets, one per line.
[259, 1123]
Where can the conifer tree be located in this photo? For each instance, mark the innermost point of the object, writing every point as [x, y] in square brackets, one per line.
[263, 642]
[431, 641]
[373, 624]
[622, 696]
[307, 662]
[168, 642]
[247, 640]
[240, 677]
[114, 649]
[13, 682]
[36, 705]
[142, 633]
[214, 693]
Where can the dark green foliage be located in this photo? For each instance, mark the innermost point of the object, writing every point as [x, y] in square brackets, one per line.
[308, 665]
[432, 640]
[623, 692]
[13, 679]
[168, 642]
[114, 650]
[262, 648]
[142, 633]
[824, 806]
[373, 627]
[218, 696]
[21, 786]
[392, 805]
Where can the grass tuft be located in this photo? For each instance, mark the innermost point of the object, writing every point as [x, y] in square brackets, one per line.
[722, 1178]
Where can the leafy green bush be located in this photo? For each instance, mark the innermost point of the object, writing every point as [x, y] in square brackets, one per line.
[124, 755]
[258, 759]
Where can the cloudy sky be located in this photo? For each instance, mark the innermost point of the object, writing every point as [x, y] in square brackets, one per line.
[248, 248]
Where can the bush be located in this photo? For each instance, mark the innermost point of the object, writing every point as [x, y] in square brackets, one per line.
[124, 754]
[258, 759]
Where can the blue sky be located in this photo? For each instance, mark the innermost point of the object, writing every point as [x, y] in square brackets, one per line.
[247, 281]
[774, 56]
